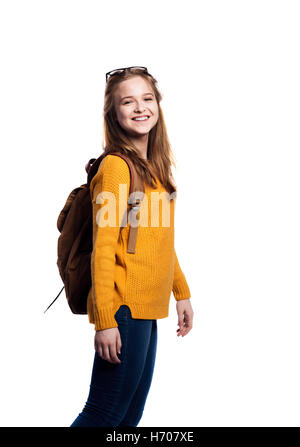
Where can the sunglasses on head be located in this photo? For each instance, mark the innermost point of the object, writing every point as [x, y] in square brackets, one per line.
[120, 70]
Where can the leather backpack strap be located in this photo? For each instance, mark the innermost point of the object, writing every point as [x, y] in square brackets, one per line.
[136, 184]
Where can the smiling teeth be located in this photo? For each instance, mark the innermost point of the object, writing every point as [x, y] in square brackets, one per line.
[140, 119]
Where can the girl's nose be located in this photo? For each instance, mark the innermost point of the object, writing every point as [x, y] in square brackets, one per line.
[140, 108]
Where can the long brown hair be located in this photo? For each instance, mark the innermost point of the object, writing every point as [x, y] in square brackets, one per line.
[160, 156]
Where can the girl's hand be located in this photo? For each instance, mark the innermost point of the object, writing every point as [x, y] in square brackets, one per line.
[185, 317]
[108, 344]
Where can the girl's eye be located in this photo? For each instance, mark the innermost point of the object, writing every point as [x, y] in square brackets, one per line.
[127, 102]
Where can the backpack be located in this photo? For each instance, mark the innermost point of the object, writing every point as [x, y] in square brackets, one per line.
[75, 243]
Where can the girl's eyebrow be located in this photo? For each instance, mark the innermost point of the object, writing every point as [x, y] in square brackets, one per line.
[133, 96]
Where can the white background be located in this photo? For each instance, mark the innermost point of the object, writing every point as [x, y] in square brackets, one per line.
[229, 73]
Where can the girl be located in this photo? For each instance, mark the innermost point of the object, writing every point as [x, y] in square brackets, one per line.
[131, 291]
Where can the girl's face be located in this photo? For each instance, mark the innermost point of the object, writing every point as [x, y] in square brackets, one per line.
[135, 98]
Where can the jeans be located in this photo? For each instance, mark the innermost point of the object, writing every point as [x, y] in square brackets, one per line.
[118, 392]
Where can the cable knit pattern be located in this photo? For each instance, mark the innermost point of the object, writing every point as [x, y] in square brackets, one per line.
[142, 280]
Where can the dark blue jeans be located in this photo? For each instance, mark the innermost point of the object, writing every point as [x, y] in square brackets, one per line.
[118, 391]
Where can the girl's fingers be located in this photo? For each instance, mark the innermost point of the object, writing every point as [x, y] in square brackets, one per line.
[185, 328]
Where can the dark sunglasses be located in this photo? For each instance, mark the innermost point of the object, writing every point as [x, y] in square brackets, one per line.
[120, 70]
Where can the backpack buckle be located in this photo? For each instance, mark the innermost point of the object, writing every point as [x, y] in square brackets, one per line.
[135, 206]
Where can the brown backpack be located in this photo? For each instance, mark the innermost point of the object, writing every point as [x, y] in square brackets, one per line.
[75, 243]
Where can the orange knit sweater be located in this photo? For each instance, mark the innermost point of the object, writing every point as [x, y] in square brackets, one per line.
[142, 280]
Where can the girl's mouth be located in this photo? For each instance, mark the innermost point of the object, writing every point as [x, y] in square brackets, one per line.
[141, 119]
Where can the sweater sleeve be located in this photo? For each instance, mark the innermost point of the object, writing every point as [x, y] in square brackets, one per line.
[180, 287]
[108, 203]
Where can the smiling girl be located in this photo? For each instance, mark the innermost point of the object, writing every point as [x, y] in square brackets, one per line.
[130, 291]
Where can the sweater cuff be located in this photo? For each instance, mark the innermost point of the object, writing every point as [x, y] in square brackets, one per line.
[104, 318]
[181, 290]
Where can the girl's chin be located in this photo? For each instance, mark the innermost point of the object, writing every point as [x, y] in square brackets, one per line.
[138, 132]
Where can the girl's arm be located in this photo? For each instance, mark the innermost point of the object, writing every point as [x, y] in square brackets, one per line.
[180, 288]
[105, 198]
